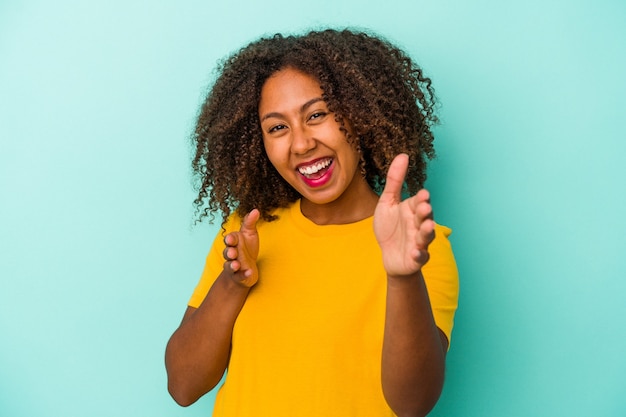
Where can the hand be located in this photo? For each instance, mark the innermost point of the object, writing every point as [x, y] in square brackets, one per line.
[242, 250]
[403, 229]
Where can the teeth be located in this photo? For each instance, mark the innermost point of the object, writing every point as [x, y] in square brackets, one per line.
[312, 169]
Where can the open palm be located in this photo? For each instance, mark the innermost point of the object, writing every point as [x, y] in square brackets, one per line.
[242, 250]
[403, 229]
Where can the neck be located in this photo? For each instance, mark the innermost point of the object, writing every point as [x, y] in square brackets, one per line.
[344, 210]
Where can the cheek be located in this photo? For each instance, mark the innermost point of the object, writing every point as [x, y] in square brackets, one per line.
[274, 154]
[352, 153]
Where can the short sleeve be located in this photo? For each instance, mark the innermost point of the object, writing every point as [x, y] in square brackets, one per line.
[442, 280]
[214, 263]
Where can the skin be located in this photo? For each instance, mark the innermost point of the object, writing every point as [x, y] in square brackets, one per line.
[298, 129]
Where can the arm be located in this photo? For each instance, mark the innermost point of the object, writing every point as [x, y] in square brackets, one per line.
[197, 354]
[413, 358]
[414, 349]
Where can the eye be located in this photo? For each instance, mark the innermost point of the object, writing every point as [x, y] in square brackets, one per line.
[276, 128]
[317, 115]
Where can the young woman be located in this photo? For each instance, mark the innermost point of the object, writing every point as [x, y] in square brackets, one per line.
[326, 293]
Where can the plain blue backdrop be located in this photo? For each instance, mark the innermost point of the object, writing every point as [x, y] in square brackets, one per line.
[98, 253]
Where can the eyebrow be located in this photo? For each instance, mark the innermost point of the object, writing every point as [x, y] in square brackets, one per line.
[302, 108]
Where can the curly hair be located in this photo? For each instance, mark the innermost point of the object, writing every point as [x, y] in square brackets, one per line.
[365, 80]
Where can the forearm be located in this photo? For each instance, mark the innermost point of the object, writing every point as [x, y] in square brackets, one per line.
[413, 357]
[197, 353]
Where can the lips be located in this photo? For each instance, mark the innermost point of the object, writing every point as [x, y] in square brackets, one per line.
[315, 169]
[316, 173]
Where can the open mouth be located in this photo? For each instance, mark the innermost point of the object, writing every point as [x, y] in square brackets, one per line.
[315, 170]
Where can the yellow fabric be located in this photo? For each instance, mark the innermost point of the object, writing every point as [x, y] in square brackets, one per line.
[308, 341]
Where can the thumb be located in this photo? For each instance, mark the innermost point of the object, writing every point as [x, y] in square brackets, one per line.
[249, 222]
[395, 178]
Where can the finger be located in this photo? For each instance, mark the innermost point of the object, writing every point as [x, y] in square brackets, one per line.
[426, 234]
[231, 239]
[230, 253]
[421, 199]
[428, 229]
[424, 211]
[395, 178]
[423, 195]
[249, 222]
[232, 266]
[421, 256]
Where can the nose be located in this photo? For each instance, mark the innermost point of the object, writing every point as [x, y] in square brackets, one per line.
[302, 140]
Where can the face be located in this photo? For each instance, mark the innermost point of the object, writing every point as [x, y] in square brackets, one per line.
[304, 142]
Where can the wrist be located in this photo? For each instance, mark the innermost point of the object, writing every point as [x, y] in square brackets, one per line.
[404, 280]
[231, 283]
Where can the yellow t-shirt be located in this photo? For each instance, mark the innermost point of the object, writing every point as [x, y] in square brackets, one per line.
[308, 340]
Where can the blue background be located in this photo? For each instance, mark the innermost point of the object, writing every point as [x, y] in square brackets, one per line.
[98, 253]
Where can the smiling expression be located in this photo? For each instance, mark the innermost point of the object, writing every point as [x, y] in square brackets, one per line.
[305, 143]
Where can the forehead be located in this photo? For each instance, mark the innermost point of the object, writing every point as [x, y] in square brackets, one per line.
[287, 88]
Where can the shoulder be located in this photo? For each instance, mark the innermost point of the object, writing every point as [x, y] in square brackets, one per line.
[441, 266]
[440, 230]
[233, 222]
[440, 272]
[441, 242]
[442, 280]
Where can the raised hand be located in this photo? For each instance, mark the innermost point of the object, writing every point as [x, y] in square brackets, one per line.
[242, 250]
[403, 229]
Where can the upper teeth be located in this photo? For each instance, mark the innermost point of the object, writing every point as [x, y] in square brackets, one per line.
[312, 169]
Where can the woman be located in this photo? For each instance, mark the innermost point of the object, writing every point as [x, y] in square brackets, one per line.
[317, 296]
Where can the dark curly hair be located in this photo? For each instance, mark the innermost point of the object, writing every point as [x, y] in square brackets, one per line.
[365, 80]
